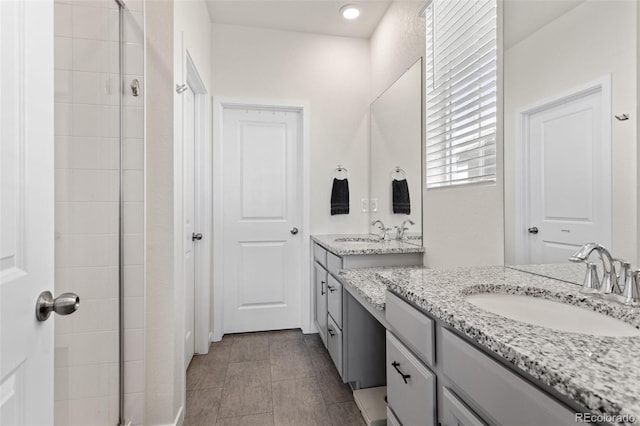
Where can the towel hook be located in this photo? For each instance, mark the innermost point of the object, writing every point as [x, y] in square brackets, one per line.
[340, 170]
[400, 171]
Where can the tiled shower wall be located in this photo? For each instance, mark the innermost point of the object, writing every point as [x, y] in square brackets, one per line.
[87, 161]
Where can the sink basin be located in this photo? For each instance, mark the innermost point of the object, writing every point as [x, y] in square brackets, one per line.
[357, 240]
[550, 314]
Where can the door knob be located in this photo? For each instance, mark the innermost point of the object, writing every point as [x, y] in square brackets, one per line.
[195, 236]
[533, 230]
[294, 231]
[65, 304]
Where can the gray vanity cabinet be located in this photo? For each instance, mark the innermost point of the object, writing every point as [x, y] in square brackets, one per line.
[411, 386]
[320, 311]
[421, 348]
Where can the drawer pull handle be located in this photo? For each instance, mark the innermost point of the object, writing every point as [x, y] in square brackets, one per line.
[331, 332]
[395, 365]
[331, 288]
[322, 283]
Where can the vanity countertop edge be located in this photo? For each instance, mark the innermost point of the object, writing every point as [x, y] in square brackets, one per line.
[353, 248]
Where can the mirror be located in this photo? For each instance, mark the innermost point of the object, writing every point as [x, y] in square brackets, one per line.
[569, 164]
[396, 155]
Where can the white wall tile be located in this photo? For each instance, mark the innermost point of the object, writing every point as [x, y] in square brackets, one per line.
[81, 381]
[134, 281]
[63, 53]
[134, 408]
[91, 87]
[88, 283]
[134, 58]
[134, 154]
[134, 122]
[134, 312]
[133, 185]
[86, 218]
[134, 218]
[91, 55]
[133, 249]
[96, 315]
[87, 348]
[63, 118]
[134, 376]
[90, 22]
[74, 251]
[87, 120]
[134, 345]
[134, 27]
[87, 185]
[62, 21]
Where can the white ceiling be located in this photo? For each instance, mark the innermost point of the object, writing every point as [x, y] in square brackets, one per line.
[524, 17]
[309, 16]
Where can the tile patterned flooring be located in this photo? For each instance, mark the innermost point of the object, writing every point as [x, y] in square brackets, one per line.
[268, 378]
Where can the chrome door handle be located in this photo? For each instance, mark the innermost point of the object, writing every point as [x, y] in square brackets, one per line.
[65, 304]
[533, 230]
[195, 236]
[294, 231]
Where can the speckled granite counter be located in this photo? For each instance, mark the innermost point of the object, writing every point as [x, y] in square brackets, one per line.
[366, 283]
[570, 272]
[600, 373]
[361, 244]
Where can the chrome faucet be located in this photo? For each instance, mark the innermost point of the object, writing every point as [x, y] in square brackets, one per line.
[382, 229]
[610, 279]
[400, 229]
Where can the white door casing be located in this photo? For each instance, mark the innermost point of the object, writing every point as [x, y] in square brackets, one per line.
[565, 175]
[262, 204]
[189, 222]
[26, 211]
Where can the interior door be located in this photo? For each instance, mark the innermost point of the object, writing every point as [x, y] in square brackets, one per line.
[262, 181]
[570, 190]
[189, 219]
[27, 210]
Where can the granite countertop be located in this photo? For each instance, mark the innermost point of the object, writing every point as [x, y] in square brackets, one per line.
[570, 272]
[368, 284]
[361, 244]
[600, 373]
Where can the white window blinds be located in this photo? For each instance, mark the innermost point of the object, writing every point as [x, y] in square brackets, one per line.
[461, 97]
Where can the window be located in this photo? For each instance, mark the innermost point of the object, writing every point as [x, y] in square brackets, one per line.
[461, 92]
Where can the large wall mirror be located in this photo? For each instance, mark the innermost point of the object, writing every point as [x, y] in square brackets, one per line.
[569, 130]
[396, 155]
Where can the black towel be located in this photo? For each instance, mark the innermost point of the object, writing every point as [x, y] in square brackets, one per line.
[401, 202]
[340, 197]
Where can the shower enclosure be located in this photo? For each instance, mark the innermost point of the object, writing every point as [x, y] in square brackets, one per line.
[99, 211]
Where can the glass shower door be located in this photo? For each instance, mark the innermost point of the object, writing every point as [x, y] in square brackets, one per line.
[98, 211]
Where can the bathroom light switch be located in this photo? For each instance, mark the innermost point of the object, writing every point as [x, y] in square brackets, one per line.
[373, 205]
[364, 203]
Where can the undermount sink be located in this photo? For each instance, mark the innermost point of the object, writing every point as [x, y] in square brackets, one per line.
[553, 315]
[357, 240]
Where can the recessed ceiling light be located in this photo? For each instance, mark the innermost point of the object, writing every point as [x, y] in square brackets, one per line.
[349, 12]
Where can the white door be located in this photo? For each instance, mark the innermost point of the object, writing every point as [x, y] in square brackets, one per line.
[26, 210]
[261, 205]
[569, 179]
[189, 219]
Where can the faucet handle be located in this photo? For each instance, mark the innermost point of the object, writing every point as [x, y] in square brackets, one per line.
[591, 281]
[631, 293]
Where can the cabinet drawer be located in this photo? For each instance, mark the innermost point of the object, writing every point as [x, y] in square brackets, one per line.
[411, 398]
[320, 255]
[334, 343]
[456, 413]
[320, 311]
[512, 399]
[334, 294]
[415, 328]
[333, 263]
[391, 418]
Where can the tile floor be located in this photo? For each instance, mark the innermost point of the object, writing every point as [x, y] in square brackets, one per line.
[268, 378]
